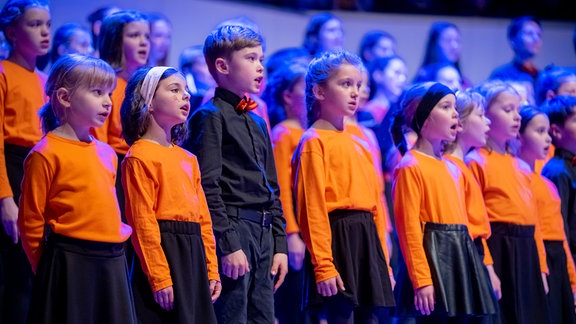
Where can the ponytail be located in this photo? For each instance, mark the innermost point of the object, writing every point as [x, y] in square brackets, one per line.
[48, 118]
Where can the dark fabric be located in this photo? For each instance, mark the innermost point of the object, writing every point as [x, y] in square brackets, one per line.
[184, 249]
[479, 247]
[462, 287]
[516, 263]
[360, 261]
[262, 217]
[82, 282]
[560, 297]
[562, 172]
[250, 298]
[514, 71]
[235, 156]
[16, 275]
[433, 95]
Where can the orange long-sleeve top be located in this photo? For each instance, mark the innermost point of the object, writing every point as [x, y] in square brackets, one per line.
[367, 135]
[21, 97]
[70, 185]
[111, 131]
[550, 217]
[163, 183]
[285, 138]
[425, 189]
[478, 222]
[507, 192]
[333, 171]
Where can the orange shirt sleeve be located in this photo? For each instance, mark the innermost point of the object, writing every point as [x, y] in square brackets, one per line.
[407, 192]
[283, 150]
[38, 175]
[140, 190]
[5, 189]
[310, 184]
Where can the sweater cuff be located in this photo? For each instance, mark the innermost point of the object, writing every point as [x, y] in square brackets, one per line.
[228, 242]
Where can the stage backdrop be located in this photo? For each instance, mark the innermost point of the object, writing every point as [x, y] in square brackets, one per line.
[484, 44]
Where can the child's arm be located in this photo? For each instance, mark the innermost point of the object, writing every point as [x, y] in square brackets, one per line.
[38, 175]
[566, 191]
[141, 195]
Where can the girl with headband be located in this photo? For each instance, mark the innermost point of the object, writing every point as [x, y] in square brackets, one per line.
[176, 279]
[443, 275]
[69, 218]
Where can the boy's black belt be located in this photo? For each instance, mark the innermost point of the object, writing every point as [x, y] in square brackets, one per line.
[262, 217]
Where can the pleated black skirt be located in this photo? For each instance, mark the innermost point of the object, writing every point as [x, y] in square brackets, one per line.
[358, 258]
[184, 249]
[516, 263]
[461, 284]
[560, 297]
[83, 282]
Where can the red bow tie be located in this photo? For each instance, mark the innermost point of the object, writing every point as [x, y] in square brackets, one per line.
[574, 161]
[246, 104]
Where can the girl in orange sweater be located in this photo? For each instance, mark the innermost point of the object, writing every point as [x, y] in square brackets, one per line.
[443, 275]
[337, 199]
[177, 278]
[68, 185]
[516, 242]
[535, 142]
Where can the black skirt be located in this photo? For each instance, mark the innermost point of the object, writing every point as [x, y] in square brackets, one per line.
[560, 297]
[358, 258]
[462, 287]
[184, 249]
[80, 281]
[516, 263]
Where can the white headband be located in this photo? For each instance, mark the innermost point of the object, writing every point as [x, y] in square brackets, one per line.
[150, 83]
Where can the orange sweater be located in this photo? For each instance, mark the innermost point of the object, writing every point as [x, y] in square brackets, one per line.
[507, 193]
[550, 217]
[21, 97]
[285, 138]
[366, 135]
[163, 183]
[478, 222]
[425, 190]
[333, 171]
[111, 131]
[70, 185]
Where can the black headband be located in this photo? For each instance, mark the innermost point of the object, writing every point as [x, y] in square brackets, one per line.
[430, 99]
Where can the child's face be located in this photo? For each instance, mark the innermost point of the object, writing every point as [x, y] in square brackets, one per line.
[135, 44]
[475, 128]
[331, 36]
[450, 44]
[80, 42]
[384, 48]
[394, 79]
[338, 97]
[505, 118]
[449, 77]
[160, 38]
[364, 90]
[528, 42]
[565, 136]
[567, 88]
[89, 107]
[245, 72]
[30, 34]
[535, 140]
[295, 99]
[442, 124]
[171, 103]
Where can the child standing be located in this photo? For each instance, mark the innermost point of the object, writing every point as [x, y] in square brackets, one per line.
[516, 240]
[239, 178]
[68, 185]
[475, 125]
[561, 170]
[443, 275]
[172, 228]
[534, 145]
[26, 25]
[336, 188]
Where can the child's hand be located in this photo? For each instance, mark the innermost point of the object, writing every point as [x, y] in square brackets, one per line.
[424, 299]
[215, 289]
[9, 213]
[165, 298]
[296, 249]
[329, 287]
[496, 286]
[545, 282]
[235, 264]
[279, 269]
